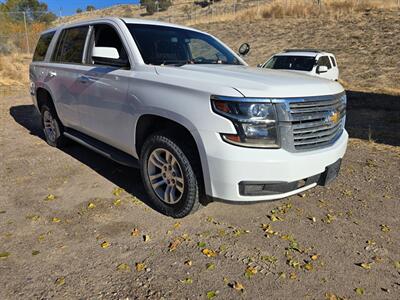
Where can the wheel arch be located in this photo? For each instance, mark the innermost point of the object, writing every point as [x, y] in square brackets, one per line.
[148, 124]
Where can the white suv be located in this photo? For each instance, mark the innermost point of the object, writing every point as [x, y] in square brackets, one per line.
[188, 111]
[306, 61]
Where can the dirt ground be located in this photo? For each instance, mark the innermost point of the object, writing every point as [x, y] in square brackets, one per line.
[68, 230]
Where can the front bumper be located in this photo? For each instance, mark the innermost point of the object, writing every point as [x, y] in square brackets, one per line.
[230, 166]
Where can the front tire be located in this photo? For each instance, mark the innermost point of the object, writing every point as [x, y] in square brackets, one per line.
[171, 175]
[52, 127]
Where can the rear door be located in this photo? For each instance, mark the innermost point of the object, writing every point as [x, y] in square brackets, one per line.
[63, 74]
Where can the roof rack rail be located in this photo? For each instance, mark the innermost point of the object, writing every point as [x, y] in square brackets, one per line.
[302, 50]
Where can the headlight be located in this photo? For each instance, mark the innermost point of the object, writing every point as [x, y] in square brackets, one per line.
[255, 122]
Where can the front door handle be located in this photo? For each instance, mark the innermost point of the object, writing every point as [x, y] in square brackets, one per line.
[83, 79]
[52, 74]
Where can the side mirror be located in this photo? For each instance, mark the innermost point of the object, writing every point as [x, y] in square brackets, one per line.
[259, 65]
[244, 49]
[108, 56]
[322, 69]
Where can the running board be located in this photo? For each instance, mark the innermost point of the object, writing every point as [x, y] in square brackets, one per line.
[102, 148]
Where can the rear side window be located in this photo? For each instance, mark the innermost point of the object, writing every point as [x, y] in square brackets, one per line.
[70, 45]
[42, 46]
[324, 61]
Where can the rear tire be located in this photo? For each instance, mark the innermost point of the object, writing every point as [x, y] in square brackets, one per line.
[171, 175]
[52, 127]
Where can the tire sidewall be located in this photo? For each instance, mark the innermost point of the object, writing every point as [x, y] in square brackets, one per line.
[190, 195]
[57, 142]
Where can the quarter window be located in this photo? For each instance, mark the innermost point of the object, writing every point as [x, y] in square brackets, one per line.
[70, 45]
[42, 46]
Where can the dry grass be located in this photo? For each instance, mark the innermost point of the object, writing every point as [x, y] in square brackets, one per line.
[279, 9]
[14, 70]
[367, 47]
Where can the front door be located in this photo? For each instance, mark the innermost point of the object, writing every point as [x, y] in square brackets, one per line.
[105, 110]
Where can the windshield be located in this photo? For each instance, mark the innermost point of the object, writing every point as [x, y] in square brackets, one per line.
[300, 63]
[162, 45]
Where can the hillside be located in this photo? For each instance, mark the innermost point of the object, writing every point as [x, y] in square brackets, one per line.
[367, 45]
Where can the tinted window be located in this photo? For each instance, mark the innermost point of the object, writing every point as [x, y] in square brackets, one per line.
[42, 46]
[300, 63]
[333, 61]
[324, 61]
[70, 45]
[169, 45]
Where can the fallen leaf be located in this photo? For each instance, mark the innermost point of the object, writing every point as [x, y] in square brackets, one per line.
[146, 238]
[293, 263]
[293, 276]
[314, 257]
[308, 266]
[210, 266]
[105, 245]
[60, 281]
[177, 225]
[2, 211]
[269, 258]
[250, 272]
[174, 244]
[201, 244]
[330, 296]
[140, 266]
[329, 218]
[91, 205]
[208, 252]
[117, 202]
[238, 286]
[124, 267]
[385, 228]
[55, 220]
[33, 217]
[4, 255]
[366, 266]
[211, 294]
[397, 264]
[35, 252]
[282, 275]
[187, 280]
[359, 291]
[50, 197]
[135, 232]
[117, 191]
[188, 263]
[274, 218]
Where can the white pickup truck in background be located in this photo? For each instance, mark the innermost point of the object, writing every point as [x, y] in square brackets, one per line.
[188, 111]
[306, 61]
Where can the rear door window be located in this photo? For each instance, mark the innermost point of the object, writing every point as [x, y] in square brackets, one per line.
[70, 45]
[42, 46]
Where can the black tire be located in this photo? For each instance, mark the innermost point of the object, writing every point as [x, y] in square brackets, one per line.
[189, 164]
[55, 139]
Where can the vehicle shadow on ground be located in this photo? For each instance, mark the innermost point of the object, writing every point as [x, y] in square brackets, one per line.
[127, 178]
[373, 117]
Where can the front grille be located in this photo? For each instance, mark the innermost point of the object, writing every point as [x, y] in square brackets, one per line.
[317, 123]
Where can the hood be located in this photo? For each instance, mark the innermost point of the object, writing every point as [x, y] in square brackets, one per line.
[254, 82]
